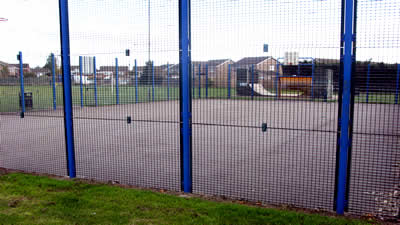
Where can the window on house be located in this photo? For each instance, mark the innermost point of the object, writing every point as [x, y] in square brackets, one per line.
[272, 68]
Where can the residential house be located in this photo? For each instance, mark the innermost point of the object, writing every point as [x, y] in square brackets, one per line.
[217, 72]
[38, 71]
[75, 71]
[265, 66]
[14, 69]
[165, 70]
[104, 71]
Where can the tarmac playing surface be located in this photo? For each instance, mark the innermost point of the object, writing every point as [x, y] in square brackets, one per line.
[292, 162]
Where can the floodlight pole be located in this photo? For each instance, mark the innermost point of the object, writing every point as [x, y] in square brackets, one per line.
[149, 27]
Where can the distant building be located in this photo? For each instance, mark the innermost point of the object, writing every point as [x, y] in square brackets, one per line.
[110, 70]
[218, 71]
[38, 71]
[265, 66]
[162, 70]
[262, 64]
[75, 70]
[14, 69]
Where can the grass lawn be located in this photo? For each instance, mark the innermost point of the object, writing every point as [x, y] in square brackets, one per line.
[28, 199]
[388, 98]
[106, 95]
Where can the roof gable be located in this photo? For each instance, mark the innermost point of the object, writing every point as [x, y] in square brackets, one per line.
[210, 63]
[247, 61]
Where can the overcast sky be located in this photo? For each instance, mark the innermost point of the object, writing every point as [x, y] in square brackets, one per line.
[220, 29]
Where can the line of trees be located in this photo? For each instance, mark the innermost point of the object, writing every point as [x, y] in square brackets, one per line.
[49, 65]
[4, 72]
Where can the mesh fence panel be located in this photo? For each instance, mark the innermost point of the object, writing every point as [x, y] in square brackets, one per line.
[293, 160]
[126, 113]
[34, 142]
[374, 182]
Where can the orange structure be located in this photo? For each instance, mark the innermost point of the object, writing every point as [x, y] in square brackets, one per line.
[302, 84]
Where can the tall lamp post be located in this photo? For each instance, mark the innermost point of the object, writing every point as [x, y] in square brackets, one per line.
[149, 27]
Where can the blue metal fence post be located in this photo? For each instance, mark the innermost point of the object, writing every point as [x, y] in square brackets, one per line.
[53, 81]
[153, 80]
[252, 82]
[312, 78]
[21, 76]
[67, 89]
[136, 84]
[116, 81]
[206, 80]
[168, 81]
[185, 95]
[348, 39]
[229, 81]
[340, 95]
[80, 79]
[368, 74]
[199, 80]
[95, 80]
